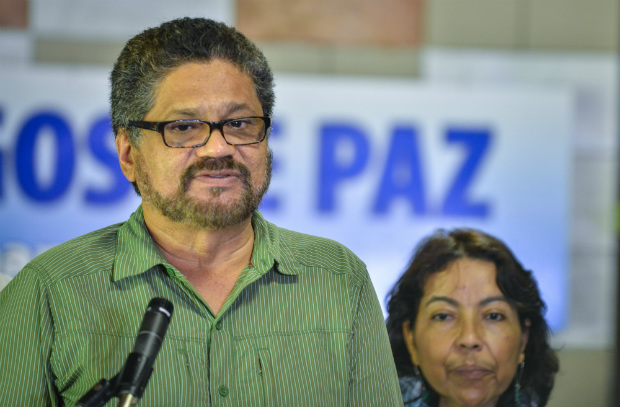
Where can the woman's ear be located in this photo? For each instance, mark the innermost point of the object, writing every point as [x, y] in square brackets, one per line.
[525, 336]
[125, 154]
[410, 342]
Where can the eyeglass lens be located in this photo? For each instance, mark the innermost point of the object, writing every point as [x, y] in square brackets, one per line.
[184, 133]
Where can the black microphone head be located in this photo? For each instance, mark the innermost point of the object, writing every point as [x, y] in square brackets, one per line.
[161, 304]
[138, 367]
[154, 326]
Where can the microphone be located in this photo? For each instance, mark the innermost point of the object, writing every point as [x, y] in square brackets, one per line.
[136, 372]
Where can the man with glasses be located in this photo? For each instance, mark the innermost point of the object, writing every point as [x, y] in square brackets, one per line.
[262, 315]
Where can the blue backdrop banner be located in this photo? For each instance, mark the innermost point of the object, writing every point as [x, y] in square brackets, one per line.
[376, 164]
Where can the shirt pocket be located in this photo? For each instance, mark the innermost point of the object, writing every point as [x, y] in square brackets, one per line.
[80, 360]
[303, 368]
[185, 373]
[265, 373]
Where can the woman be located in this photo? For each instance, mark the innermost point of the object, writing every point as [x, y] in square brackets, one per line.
[467, 328]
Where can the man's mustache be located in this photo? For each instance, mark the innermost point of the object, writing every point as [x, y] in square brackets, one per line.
[215, 164]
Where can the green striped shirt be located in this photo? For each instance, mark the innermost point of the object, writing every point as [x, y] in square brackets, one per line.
[302, 326]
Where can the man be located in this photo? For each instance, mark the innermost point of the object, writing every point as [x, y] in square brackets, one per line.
[262, 315]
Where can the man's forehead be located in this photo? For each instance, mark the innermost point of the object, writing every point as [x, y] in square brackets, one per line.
[196, 89]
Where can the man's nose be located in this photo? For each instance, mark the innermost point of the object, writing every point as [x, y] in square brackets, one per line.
[216, 146]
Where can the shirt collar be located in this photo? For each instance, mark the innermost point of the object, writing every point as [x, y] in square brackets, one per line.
[136, 252]
[270, 250]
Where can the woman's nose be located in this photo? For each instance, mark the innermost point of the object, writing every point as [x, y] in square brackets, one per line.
[469, 337]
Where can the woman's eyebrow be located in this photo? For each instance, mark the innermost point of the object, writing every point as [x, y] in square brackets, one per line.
[489, 300]
[453, 302]
[440, 298]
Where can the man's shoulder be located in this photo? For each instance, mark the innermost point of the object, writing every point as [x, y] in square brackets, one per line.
[314, 251]
[78, 255]
[304, 241]
[92, 241]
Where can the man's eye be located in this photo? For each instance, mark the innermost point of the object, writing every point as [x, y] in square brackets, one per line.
[237, 123]
[181, 127]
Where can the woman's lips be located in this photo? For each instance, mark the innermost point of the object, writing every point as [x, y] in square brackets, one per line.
[471, 372]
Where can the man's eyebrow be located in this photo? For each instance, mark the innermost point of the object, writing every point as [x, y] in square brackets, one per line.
[184, 112]
[235, 107]
[229, 109]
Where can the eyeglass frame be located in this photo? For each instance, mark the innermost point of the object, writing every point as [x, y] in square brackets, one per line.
[159, 127]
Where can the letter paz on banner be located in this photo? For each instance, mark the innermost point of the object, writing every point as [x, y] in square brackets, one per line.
[129, 384]
[404, 155]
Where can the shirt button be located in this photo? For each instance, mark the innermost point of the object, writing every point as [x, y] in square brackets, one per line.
[223, 390]
[219, 325]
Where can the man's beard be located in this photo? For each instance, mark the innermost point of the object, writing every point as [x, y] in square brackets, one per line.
[211, 215]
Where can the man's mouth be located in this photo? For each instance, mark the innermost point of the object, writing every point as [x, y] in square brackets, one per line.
[220, 172]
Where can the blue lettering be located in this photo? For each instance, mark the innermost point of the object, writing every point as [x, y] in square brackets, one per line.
[457, 201]
[332, 171]
[25, 157]
[98, 142]
[1, 160]
[271, 202]
[403, 173]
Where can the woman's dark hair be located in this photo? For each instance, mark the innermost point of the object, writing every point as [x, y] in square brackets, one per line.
[435, 254]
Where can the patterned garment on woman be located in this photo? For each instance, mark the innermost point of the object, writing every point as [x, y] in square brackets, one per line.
[412, 389]
[414, 394]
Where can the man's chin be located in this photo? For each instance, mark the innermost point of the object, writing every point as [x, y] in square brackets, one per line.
[213, 195]
[214, 209]
[220, 204]
[212, 214]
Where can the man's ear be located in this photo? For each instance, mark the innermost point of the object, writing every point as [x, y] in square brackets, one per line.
[408, 337]
[126, 154]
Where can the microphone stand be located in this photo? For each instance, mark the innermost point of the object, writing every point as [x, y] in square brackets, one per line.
[104, 390]
[100, 393]
[130, 382]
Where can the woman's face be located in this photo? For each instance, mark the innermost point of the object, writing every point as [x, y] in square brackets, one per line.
[467, 340]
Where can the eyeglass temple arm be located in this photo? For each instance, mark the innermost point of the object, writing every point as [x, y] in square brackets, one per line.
[145, 125]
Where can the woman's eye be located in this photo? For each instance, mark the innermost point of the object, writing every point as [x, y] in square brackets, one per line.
[441, 316]
[495, 316]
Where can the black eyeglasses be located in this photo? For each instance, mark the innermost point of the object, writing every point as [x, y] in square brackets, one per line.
[195, 133]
